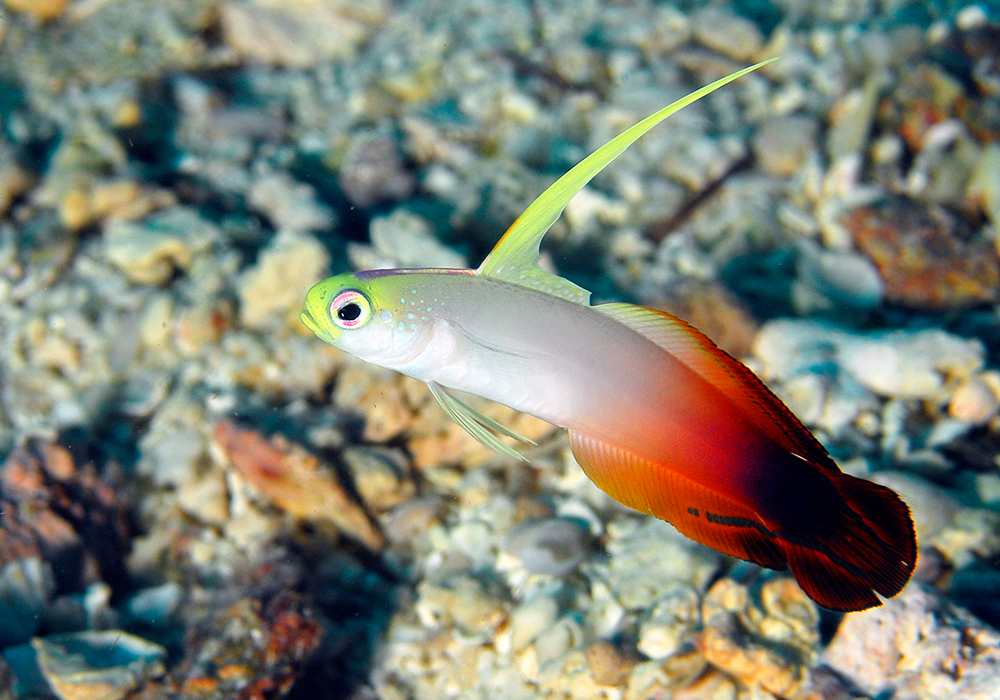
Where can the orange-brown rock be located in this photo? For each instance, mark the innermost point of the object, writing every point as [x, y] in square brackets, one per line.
[924, 256]
[295, 481]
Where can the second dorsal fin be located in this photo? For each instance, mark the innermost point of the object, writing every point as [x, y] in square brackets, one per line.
[730, 376]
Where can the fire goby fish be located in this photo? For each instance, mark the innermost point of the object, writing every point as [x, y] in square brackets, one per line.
[658, 416]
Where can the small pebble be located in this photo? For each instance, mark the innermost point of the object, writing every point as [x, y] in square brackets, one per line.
[150, 252]
[205, 498]
[403, 239]
[155, 607]
[975, 400]
[461, 600]
[14, 180]
[973, 535]
[530, 618]
[727, 33]
[908, 646]
[984, 187]
[648, 558]
[295, 481]
[410, 519]
[988, 489]
[172, 457]
[379, 477]
[610, 665]
[928, 261]
[474, 540]
[910, 365]
[291, 205]
[844, 277]
[713, 685]
[373, 172]
[101, 665]
[276, 285]
[26, 584]
[554, 547]
[670, 624]
[781, 143]
[851, 119]
[733, 643]
[296, 34]
[553, 643]
[43, 10]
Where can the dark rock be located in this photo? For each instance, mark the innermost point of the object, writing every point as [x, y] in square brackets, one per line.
[68, 516]
[373, 171]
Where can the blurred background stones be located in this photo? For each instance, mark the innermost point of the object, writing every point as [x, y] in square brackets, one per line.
[249, 513]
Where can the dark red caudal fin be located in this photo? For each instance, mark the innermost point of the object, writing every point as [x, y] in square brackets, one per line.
[866, 549]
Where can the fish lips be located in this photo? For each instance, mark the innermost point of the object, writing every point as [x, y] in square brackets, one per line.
[322, 333]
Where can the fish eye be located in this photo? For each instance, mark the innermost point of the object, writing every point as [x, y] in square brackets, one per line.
[349, 312]
[350, 309]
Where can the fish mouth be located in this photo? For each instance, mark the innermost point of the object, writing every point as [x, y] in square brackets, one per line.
[309, 322]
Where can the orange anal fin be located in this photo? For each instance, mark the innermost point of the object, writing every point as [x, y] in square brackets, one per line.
[860, 546]
[696, 511]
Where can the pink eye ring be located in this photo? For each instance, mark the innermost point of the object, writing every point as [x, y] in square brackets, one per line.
[350, 309]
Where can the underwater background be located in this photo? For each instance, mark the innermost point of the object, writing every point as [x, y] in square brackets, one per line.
[200, 499]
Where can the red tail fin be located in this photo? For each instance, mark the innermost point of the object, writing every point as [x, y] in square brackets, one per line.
[870, 547]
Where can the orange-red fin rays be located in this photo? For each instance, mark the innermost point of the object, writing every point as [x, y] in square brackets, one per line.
[861, 545]
[698, 512]
[827, 586]
[879, 537]
[754, 400]
[857, 553]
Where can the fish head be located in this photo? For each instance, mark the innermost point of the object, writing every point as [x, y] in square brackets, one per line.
[368, 315]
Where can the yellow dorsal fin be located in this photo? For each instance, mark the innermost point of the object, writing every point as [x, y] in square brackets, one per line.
[515, 257]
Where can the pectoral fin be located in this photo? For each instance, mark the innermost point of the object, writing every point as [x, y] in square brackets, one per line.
[479, 426]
